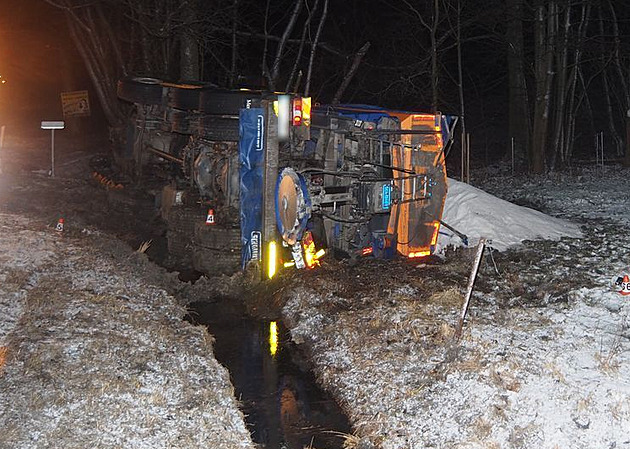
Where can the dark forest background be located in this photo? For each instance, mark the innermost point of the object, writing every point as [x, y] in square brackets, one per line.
[542, 77]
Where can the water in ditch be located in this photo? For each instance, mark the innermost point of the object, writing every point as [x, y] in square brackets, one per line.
[283, 406]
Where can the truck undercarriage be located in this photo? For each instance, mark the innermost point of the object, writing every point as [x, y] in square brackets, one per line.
[243, 184]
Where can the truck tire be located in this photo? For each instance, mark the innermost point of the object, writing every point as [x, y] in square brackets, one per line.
[224, 102]
[217, 250]
[142, 90]
[214, 262]
[219, 128]
[213, 237]
[180, 234]
[184, 96]
[180, 121]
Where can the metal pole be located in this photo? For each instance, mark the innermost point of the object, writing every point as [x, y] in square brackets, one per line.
[52, 153]
[597, 151]
[602, 150]
[463, 159]
[468, 158]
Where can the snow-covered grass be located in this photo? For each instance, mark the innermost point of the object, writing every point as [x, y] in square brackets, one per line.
[97, 355]
[544, 360]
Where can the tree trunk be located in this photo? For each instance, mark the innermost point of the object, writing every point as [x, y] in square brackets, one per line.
[296, 63]
[275, 70]
[519, 116]
[104, 82]
[622, 81]
[353, 69]
[233, 74]
[435, 82]
[189, 47]
[311, 59]
[607, 91]
[460, 81]
[545, 33]
[572, 107]
[561, 91]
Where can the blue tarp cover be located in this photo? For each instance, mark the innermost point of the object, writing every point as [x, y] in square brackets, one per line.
[251, 157]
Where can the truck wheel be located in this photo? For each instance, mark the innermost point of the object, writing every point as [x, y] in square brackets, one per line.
[179, 121]
[180, 234]
[217, 250]
[184, 96]
[219, 128]
[142, 90]
[224, 102]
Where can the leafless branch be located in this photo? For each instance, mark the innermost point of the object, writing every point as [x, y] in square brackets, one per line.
[314, 47]
[353, 68]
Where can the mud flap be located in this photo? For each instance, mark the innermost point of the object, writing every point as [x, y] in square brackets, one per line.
[251, 159]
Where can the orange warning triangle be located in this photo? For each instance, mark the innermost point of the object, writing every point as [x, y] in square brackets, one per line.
[210, 217]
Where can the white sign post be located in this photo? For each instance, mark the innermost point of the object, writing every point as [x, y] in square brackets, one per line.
[52, 126]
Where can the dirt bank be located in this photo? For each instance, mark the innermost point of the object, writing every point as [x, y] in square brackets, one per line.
[95, 352]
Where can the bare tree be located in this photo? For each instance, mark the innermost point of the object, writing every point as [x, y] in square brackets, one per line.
[519, 121]
[545, 35]
[356, 61]
[272, 76]
[320, 27]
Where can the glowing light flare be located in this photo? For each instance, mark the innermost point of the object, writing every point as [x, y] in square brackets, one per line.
[306, 111]
[422, 117]
[273, 338]
[367, 251]
[436, 232]
[419, 254]
[289, 264]
[311, 254]
[272, 255]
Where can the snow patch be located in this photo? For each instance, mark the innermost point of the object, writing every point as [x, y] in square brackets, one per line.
[477, 214]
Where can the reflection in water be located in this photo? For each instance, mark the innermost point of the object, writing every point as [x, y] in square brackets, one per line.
[273, 338]
[283, 406]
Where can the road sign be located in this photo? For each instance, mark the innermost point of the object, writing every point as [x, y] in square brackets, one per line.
[75, 104]
[52, 125]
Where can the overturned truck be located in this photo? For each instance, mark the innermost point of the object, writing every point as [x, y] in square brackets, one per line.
[258, 181]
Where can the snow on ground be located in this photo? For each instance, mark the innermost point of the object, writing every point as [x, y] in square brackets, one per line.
[544, 360]
[99, 357]
[477, 214]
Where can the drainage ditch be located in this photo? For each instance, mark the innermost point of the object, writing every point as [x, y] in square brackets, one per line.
[282, 404]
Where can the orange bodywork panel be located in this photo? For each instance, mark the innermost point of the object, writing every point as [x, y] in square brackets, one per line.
[415, 217]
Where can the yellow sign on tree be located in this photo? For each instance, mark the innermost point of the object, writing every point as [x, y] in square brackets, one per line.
[75, 103]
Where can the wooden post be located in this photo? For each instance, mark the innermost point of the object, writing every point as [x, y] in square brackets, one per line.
[512, 156]
[471, 282]
[468, 158]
